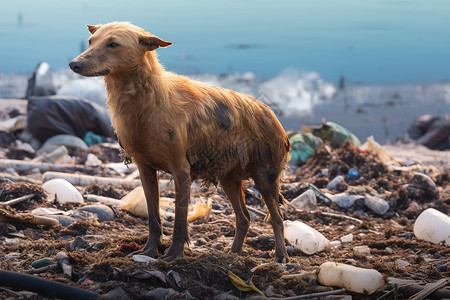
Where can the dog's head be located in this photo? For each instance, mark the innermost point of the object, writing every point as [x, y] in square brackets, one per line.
[113, 48]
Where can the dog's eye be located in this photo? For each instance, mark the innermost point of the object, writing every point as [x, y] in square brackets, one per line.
[113, 45]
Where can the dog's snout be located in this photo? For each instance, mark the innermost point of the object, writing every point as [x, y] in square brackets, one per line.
[76, 66]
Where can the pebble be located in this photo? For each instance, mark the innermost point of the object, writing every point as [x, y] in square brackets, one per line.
[347, 238]
[424, 182]
[62, 190]
[103, 212]
[376, 204]
[77, 243]
[363, 250]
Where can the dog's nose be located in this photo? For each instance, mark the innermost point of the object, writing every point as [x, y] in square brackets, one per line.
[76, 66]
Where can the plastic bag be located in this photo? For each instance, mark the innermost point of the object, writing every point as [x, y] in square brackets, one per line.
[53, 115]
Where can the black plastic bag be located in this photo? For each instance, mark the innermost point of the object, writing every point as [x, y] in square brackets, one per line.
[52, 115]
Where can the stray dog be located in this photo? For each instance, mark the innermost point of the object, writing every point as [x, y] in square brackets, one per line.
[167, 122]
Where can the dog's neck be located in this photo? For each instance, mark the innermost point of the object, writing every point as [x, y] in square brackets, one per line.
[144, 83]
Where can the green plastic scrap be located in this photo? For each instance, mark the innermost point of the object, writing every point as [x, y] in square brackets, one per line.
[335, 134]
[241, 285]
[303, 146]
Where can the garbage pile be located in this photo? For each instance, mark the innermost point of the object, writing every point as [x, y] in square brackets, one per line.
[72, 214]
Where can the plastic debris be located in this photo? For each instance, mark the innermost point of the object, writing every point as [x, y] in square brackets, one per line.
[352, 278]
[335, 134]
[201, 211]
[433, 226]
[305, 238]
[143, 259]
[241, 285]
[41, 262]
[345, 199]
[306, 200]
[337, 180]
[353, 173]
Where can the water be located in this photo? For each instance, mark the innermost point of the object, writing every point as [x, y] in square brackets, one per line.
[368, 41]
[392, 56]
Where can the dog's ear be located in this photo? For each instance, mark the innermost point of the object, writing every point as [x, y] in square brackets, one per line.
[93, 28]
[152, 42]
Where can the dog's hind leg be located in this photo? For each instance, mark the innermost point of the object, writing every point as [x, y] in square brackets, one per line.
[182, 180]
[233, 188]
[149, 178]
[267, 182]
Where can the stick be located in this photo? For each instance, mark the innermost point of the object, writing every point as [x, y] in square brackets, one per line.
[430, 289]
[256, 212]
[308, 296]
[17, 200]
[42, 269]
[102, 199]
[20, 165]
[336, 216]
[80, 179]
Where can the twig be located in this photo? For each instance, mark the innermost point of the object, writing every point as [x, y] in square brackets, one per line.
[17, 200]
[42, 269]
[256, 211]
[308, 296]
[336, 216]
[430, 289]
[80, 179]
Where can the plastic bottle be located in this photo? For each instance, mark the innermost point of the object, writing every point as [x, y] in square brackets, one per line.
[354, 279]
[338, 179]
[306, 201]
[305, 238]
[433, 226]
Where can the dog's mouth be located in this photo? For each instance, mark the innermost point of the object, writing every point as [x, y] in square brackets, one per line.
[99, 73]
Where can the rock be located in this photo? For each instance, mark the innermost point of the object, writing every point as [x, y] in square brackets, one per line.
[63, 220]
[63, 191]
[363, 250]
[347, 238]
[70, 141]
[77, 243]
[376, 204]
[425, 183]
[92, 161]
[103, 212]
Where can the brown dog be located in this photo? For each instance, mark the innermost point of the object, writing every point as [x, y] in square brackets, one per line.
[187, 128]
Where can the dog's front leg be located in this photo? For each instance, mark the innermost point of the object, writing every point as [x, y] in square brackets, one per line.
[149, 178]
[180, 231]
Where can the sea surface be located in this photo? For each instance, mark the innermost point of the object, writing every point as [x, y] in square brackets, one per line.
[372, 66]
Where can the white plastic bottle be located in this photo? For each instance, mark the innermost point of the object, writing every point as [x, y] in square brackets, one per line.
[354, 279]
[433, 226]
[305, 238]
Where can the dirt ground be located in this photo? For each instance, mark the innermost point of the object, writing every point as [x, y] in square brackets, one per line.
[101, 262]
